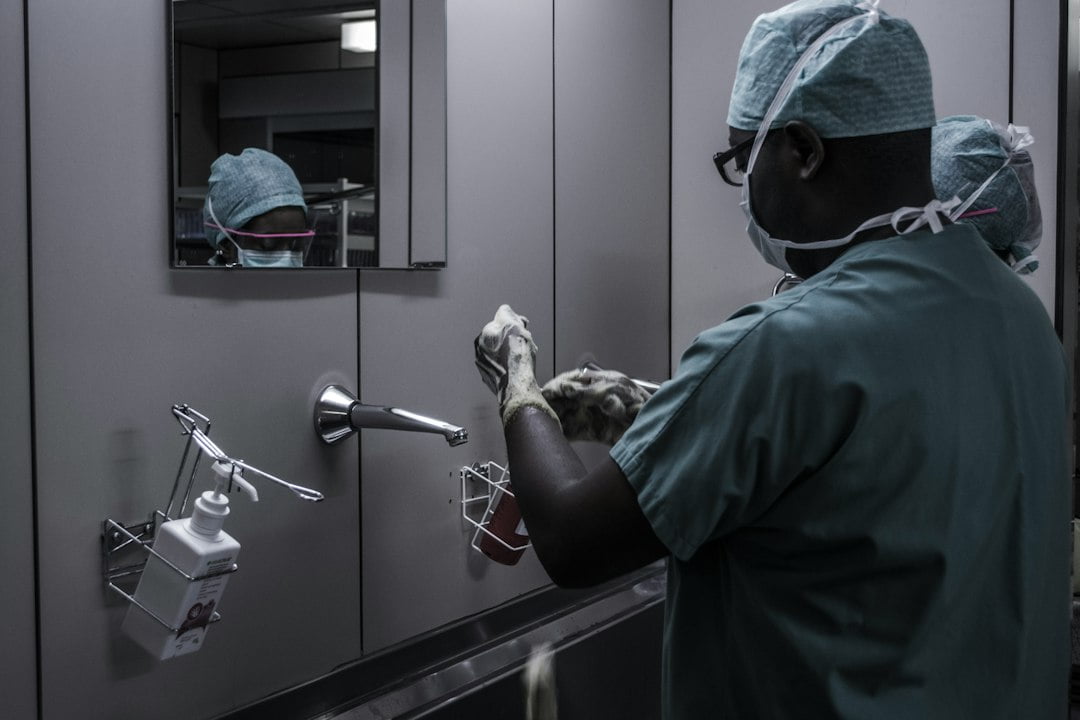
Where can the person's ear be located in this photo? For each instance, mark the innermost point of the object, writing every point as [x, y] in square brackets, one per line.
[807, 147]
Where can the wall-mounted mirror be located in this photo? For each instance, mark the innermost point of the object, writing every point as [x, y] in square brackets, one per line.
[341, 100]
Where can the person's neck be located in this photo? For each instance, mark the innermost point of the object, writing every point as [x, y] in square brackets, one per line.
[860, 206]
[873, 196]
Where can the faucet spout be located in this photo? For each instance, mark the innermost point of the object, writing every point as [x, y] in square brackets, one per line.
[338, 414]
[392, 418]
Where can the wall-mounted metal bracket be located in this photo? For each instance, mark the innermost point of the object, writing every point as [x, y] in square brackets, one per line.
[115, 538]
[489, 481]
[119, 543]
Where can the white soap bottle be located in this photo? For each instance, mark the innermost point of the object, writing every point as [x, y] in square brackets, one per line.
[199, 547]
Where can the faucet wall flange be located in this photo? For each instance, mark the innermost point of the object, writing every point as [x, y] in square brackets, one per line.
[332, 414]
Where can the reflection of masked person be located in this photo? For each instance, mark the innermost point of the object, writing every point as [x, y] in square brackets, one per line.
[989, 168]
[255, 212]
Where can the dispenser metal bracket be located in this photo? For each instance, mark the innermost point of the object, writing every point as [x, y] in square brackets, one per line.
[485, 491]
[116, 537]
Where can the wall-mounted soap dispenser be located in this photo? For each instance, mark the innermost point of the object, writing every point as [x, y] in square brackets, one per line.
[188, 560]
[199, 548]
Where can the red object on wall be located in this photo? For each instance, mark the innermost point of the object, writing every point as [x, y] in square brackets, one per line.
[506, 524]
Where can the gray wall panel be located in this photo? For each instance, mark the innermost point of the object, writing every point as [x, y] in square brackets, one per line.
[612, 152]
[428, 201]
[118, 339]
[393, 133]
[18, 674]
[416, 328]
[715, 270]
[967, 43]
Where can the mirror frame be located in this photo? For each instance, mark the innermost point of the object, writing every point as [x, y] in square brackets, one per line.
[410, 139]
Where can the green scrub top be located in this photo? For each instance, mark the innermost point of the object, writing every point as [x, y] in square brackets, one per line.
[864, 486]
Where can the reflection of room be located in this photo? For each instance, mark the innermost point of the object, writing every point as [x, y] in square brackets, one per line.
[301, 85]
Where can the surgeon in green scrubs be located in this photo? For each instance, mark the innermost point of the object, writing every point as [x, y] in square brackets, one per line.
[861, 484]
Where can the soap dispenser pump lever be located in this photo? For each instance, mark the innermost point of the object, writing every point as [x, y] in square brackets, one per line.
[212, 449]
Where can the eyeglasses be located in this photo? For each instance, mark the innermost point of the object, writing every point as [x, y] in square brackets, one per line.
[728, 166]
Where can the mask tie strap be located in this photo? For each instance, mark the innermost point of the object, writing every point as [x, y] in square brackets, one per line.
[1017, 137]
[241, 233]
[930, 214]
[871, 8]
[1021, 267]
[217, 223]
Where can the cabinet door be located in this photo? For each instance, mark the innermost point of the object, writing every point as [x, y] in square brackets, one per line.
[417, 328]
[118, 339]
[557, 166]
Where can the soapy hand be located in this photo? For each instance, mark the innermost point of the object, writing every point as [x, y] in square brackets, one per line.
[507, 334]
[505, 356]
[596, 405]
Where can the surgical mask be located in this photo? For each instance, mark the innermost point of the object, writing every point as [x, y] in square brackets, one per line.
[261, 258]
[269, 258]
[773, 249]
[1015, 139]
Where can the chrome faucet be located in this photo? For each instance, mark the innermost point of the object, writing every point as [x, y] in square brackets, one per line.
[338, 414]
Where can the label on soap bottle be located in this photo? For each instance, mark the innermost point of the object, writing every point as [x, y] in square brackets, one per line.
[200, 601]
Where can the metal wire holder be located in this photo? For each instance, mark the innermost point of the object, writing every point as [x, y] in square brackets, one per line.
[491, 491]
[113, 533]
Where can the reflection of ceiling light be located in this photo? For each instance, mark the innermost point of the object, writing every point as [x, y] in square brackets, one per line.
[358, 36]
[356, 14]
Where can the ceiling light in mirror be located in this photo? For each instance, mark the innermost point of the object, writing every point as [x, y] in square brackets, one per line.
[359, 36]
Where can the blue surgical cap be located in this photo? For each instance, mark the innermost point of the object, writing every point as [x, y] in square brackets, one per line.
[247, 185]
[965, 152]
[869, 78]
